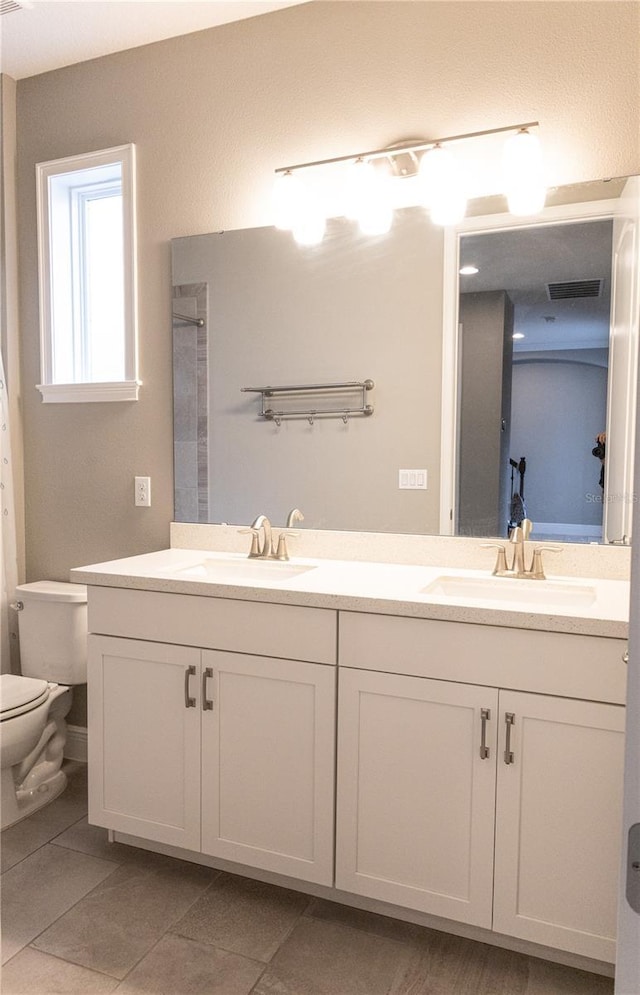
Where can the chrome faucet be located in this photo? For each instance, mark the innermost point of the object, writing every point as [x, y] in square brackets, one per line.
[257, 551]
[517, 538]
[266, 550]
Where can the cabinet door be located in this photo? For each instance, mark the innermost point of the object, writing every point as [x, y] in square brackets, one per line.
[268, 763]
[144, 743]
[558, 829]
[415, 798]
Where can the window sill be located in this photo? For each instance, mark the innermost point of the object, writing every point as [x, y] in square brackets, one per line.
[80, 393]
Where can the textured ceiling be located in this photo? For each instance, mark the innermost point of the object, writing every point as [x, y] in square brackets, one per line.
[49, 34]
[522, 262]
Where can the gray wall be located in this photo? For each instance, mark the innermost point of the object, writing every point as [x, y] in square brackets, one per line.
[486, 321]
[351, 309]
[212, 114]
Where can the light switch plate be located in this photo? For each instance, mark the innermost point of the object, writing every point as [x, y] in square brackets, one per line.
[412, 480]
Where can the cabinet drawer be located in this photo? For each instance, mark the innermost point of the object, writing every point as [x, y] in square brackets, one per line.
[217, 623]
[558, 663]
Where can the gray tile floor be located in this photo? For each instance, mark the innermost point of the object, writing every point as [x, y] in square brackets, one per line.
[84, 915]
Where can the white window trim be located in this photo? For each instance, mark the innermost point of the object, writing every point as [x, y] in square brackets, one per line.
[63, 393]
[127, 389]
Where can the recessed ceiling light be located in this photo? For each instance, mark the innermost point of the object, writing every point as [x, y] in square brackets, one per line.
[518, 335]
[469, 271]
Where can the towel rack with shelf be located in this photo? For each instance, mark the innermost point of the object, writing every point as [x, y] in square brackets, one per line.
[346, 390]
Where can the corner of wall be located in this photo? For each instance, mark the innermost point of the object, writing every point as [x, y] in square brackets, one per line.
[9, 325]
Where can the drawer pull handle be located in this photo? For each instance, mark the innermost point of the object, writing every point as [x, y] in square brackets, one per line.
[510, 721]
[189, 702]
[485, 715]
[625, 656]
[207, 703]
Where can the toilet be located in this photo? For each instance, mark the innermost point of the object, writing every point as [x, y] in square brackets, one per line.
[53, 657]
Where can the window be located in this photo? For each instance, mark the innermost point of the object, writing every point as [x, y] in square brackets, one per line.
[86, 245]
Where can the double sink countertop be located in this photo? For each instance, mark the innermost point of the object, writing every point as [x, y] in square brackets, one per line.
[586, 606]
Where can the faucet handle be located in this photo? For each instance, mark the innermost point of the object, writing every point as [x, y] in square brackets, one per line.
[255, 545]
[501, 560]
[537, 570]
[282, 553]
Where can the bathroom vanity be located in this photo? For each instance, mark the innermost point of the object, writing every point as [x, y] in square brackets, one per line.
[333, 727]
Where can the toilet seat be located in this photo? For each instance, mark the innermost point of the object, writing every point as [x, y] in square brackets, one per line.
[21, 694]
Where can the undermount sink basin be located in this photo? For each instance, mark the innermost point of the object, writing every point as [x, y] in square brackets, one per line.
[223, 571]
[515, 590]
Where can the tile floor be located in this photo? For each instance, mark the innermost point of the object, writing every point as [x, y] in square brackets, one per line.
[87, 916]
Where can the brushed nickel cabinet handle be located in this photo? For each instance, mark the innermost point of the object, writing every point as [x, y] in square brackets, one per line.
[625, 656]
[485, 715]
[189, 702]
[207, 703]
[510, 721]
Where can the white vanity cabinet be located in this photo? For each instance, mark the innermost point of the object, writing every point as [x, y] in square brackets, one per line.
[212, 729]
[416, 793]
[559, 822]
[268, 754]
[223, 752]
[418, 807]
[144, 745]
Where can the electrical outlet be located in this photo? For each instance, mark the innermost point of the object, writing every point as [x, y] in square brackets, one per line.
[412, 480]
[143, 492]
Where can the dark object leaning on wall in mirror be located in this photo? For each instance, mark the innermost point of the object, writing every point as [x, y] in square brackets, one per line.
[600, 452]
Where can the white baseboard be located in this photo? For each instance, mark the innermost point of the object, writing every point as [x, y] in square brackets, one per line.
[75, 747]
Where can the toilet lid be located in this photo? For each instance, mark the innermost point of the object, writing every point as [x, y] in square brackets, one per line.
[21, 694]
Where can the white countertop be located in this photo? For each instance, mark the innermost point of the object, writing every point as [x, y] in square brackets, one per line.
[601, 606]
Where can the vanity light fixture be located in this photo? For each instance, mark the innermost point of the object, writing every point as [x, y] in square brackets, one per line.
[367, 197]
[469, 271]
[443, 187]
[289, 197]
[371, 181]
[518, 335]
[523, 174]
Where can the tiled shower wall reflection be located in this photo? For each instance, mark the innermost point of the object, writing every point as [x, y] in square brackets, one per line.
[190, 404]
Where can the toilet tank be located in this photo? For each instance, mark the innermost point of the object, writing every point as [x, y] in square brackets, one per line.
[53, 631]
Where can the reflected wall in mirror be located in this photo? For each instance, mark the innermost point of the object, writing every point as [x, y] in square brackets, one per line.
[356, 308]
[534, 344]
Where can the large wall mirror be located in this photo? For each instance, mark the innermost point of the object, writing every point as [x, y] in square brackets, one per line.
[529, 359]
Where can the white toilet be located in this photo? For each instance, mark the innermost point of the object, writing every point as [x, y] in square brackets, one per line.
[33, 707]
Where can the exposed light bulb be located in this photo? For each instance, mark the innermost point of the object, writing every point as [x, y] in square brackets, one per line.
[289, 197]
[358, 176]
[377, 221]
[442, 187]
[310, 225]
[368, 198]
[518, 335]
[522, 170]
[469, 271]
[524, 201]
